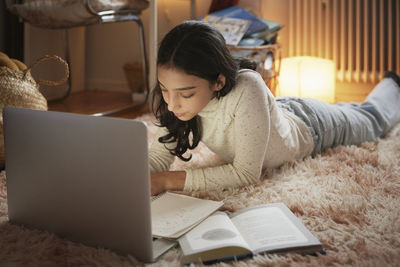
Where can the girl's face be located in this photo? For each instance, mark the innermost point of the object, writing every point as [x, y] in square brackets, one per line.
[186, 95]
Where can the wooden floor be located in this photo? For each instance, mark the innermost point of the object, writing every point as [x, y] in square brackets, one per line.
[92, 102]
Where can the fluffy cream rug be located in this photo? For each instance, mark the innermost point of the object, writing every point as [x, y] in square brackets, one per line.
[349, 197]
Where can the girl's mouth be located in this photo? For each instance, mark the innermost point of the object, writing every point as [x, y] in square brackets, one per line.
[179, 114]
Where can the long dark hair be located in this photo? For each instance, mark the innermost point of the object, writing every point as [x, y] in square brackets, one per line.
[196, 49]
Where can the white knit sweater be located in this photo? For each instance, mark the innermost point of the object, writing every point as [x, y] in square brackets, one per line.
[248, 130]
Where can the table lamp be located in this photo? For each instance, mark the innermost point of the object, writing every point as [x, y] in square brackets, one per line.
[308, 77]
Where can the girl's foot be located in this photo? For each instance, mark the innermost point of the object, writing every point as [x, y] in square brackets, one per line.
[393, 75]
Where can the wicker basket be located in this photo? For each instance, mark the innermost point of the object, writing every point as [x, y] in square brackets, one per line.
[19, 89]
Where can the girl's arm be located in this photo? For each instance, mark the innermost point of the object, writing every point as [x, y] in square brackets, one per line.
[168, 180]
[160, 160]
[251, 130]
[252, 133]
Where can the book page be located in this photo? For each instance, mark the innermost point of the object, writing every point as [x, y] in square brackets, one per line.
[231, 28]
[174, 214]
[216, 231]
[267, 228]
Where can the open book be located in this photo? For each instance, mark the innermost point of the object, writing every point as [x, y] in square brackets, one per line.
[173, 215]
[263, 228]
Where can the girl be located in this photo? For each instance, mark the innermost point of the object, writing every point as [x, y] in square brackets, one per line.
[203, 93]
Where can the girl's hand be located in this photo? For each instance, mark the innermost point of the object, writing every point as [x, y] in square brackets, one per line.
[170, 180]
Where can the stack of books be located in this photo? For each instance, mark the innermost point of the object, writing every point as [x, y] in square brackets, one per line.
[242, 28]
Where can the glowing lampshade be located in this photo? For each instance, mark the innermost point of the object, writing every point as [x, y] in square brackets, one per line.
[308, 77]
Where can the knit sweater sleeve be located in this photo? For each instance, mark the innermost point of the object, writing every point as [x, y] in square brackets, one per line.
[160, 158]
[251, 129]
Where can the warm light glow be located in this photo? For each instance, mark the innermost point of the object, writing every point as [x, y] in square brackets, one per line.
[308, 77]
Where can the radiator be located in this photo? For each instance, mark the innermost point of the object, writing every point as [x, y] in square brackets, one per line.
[362, 37]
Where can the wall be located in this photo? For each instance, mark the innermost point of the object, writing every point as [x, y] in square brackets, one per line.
[118, 43]
[53, 42]
[170, 13]
[98, 64]
[98, 52]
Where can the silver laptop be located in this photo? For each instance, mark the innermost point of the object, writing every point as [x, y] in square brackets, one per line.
[82, 177]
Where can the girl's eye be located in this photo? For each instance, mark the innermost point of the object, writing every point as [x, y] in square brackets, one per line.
[188, 96]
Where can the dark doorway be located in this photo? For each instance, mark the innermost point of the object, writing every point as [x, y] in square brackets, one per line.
[11, 33]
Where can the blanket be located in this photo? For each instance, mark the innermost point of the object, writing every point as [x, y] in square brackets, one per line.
[349, 197]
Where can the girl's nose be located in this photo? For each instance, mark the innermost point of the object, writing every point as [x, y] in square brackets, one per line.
[173, 103]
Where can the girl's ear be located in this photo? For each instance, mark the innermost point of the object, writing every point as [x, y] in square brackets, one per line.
[220, 82]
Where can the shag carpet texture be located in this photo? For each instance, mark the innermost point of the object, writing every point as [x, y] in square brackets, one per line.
[349, 197]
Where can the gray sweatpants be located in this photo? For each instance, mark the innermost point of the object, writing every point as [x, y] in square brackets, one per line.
[349, 123]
